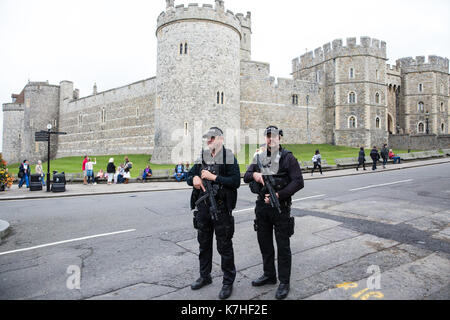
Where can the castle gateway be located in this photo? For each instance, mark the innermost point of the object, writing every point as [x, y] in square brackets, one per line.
[343, 94]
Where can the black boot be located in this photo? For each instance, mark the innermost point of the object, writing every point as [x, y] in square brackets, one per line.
[282, 291]
[226, 291]
[200, 283]
[264, 280]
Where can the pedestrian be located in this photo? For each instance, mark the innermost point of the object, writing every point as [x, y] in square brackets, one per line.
[83, 167]
[90, 170]
[385, 155]
[361, 158]
[24, 174]
[218, 168]
[287, 175]
[40, 171]
[375, 157]
[317, 161]
[110, 170]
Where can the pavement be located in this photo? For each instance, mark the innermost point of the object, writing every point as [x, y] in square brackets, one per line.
[76, 190]
[357, 237]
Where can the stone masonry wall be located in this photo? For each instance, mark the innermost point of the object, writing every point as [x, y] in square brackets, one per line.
[117, 121]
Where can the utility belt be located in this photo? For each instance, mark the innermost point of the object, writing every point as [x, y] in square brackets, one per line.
[283, 203]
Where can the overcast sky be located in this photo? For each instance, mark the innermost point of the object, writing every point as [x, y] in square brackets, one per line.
[113, 42]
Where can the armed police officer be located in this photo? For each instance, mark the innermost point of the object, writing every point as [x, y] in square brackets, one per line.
[215, 178]
[275, 176]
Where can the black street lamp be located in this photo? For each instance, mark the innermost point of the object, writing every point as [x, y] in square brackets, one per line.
[427, 116]
[49, 128]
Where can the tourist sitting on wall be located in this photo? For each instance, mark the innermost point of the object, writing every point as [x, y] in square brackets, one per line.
[100, 175]
[393, 156]
[147, 173]
[40, 171]
[179, 174]
[120, 176]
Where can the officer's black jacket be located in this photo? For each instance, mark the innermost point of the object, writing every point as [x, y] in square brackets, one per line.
[289, 165]
[229, 175]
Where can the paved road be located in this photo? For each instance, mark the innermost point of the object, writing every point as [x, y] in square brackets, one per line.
[376, 236]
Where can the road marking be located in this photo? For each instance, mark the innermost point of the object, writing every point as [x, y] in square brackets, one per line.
[318, 196]
[67, 241]
[380, 185]
[252, 208]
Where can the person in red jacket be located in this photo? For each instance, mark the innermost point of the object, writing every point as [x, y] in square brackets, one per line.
[84, 169]
[393, 156]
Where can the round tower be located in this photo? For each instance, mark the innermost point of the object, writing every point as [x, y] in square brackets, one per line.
[198, 75]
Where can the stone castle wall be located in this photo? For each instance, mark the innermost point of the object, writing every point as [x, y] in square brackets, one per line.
[265, 101]
[117, 121]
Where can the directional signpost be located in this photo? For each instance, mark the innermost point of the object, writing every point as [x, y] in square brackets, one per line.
[45, 136]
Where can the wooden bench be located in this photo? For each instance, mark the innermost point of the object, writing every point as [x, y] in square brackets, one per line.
[162, 174]
[406, 156]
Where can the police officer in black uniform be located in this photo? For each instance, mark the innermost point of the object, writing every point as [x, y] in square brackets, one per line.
[218, 166]
[284, 168]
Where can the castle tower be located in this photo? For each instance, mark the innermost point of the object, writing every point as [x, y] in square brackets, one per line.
[35, 108]
[354, 80]
[198, 74]
[425, 88]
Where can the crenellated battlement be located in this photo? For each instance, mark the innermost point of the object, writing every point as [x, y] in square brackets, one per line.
[367, 46]
[207, 12]
[421, 64]
[393, 69]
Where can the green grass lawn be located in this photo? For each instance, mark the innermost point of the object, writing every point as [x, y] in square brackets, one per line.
[303, 152]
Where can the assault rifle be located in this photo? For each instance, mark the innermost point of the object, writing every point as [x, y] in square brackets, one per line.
[269, 182]
[211, 192]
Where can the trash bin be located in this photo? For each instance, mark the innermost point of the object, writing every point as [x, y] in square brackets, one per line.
[36, 182]
[59, 182]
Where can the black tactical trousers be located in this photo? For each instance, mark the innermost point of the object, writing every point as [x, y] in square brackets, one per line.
[267, 220]
[224, 229]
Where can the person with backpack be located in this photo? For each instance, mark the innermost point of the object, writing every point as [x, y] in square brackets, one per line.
[111, 170]
[375, 157]
[317, 161]
[24, 174]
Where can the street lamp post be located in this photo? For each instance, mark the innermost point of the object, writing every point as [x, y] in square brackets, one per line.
[427, 115]
[49, 128]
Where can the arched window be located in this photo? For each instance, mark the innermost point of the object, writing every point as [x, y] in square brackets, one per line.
[377, 97]
[307, 100]
[377, 123]
[351, 73]
[218, 97]
[420, 87]
[222, 97]
[352, 97]
[420, 107]
[181, 48]
[352, 122]
[185, 48]
[420, 127]
[442, 128]
[185, 128]
[295, 99]
[442, 107]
